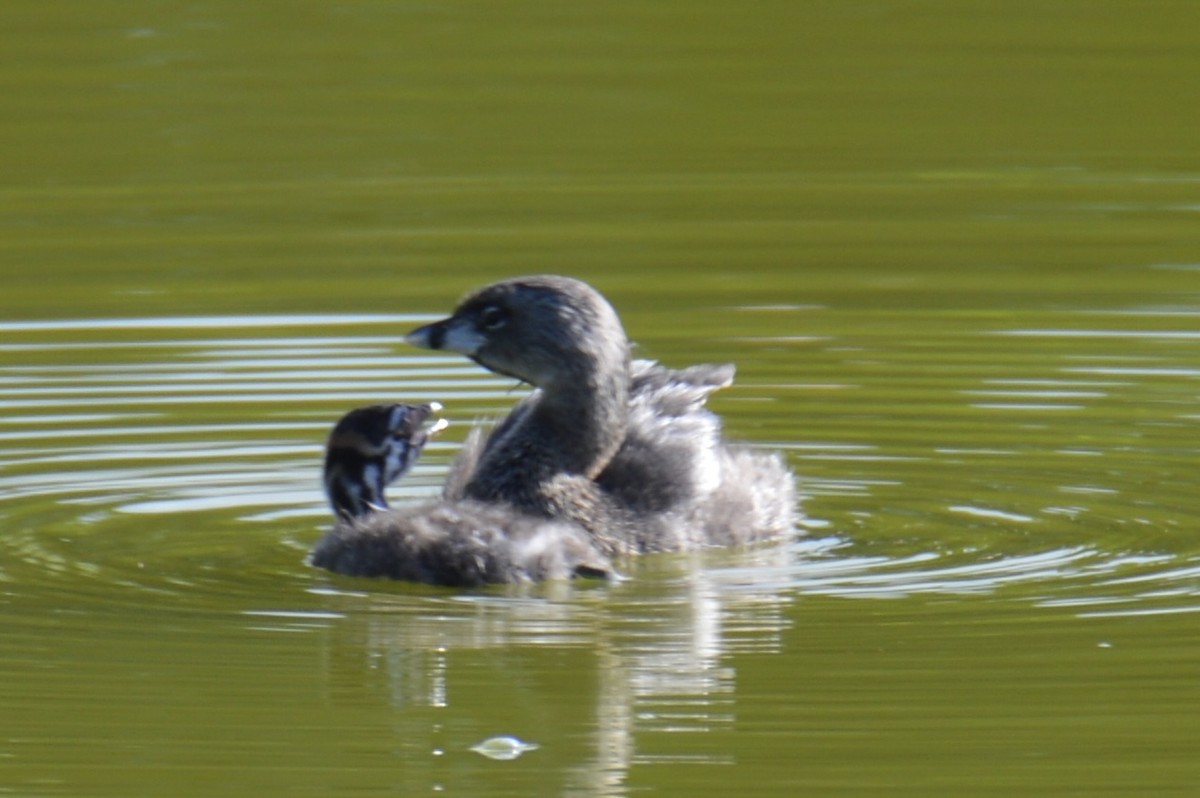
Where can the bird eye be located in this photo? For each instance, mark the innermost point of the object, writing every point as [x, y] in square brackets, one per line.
[493, 317]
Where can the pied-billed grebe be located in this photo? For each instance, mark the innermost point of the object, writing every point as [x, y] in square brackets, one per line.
[624, 448]
[459, 543]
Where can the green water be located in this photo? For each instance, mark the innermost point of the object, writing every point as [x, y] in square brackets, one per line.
[953, 248]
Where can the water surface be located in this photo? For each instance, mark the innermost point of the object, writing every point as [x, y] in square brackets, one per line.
[953, 250]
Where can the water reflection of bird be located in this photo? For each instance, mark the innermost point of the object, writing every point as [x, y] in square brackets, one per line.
[626, 449]
[457, 542]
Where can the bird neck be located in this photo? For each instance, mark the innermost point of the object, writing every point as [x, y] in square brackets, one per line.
[354, 489]
[586, 417]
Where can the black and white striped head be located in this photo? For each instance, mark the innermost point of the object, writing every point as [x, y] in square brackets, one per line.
[370, 448]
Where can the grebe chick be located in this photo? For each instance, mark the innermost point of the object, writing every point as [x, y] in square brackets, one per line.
[369, 449]
[624, 448]
[455, 543]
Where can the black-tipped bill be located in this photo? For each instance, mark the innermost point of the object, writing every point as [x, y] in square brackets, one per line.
[431, 336]
[453, 334]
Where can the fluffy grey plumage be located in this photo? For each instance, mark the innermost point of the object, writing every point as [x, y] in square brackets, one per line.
[459, 544]
[608, 456]
[453, 542]
[625, 449]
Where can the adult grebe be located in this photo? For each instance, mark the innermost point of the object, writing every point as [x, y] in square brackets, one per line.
[623, 448]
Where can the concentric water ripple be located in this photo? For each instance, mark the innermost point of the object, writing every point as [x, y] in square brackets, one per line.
[172, 452]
